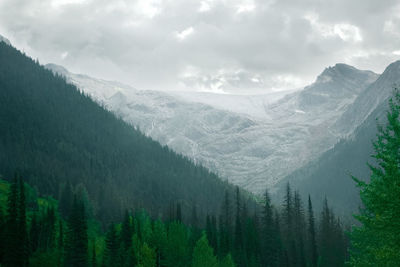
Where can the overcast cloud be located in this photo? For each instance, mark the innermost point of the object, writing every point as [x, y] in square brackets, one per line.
[210, 45]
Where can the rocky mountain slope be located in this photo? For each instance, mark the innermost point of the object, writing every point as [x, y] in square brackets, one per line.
[252, 149]
[329, 175]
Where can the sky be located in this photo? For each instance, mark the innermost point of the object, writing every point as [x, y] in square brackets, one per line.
[221, 46]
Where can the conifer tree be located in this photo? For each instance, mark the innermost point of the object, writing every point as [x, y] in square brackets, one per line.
[112, 248]
[178, 249]
[227, 261]
[76, 250]
[226, 226]
[66, 199]
[377, 241]
[126, 231]
[269, 231]
[34, 234]
[238, 223]
[147, 256]
[203, 254]
[312, 243]
[299, 226]
[16, 253]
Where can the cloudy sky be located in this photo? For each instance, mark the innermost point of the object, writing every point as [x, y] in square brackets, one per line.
[235, 46]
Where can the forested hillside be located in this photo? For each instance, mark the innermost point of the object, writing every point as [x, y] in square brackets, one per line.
[34, 232]
[330, 175]
[60, 140]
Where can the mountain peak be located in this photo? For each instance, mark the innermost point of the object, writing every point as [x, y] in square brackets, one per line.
[5, 40]
[393, 67]
[341, 71]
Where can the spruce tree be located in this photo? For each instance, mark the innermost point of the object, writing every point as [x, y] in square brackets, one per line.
[203, 254]
[16, 253]
[269, 242]
[238, 225]
[225, 228]
[227, 261]
[76, 250]
[110, 257]
[312, 243]
[147, 256]
[126, 231]
[377, 241]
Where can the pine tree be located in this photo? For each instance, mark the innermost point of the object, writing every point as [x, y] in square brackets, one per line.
[377, 241]
[147, 256]
[290, 246]
[126, 231]
[177, 249]
[299, 226]
[312, 243]
[34, 234]
[225, 228]
[16, 253]
[76, 250]
[203, 254]
[66, 199]
[112, 248]
[94, 255]
[227, 261]
[269, 232]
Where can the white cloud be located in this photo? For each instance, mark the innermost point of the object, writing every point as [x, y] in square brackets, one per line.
[204, 6]
[233, 44]
[345, 31]
[245, 8]
[148, 8]
[184, 34]
[60, 3]
[348, 32]
[64, 55]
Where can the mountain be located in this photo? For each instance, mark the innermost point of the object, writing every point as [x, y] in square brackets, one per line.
[55, 135]
[251, 147]
[329, 175]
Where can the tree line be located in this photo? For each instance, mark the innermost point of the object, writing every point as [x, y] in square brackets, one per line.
[36, 232]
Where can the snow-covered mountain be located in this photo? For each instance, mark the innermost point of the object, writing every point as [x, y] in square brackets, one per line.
[251, 147]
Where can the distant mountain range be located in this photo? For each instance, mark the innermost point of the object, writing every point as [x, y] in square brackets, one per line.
[252, 141]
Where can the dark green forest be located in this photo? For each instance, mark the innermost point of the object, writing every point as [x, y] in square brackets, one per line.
[34, 232]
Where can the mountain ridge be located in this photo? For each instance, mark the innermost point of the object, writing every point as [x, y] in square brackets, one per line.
[253, 152]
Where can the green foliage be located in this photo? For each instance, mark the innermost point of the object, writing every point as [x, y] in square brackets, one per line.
[227, 261]
[147, 256]
[178, 249]
[76, 247]
[203, 254]
[377, 241]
